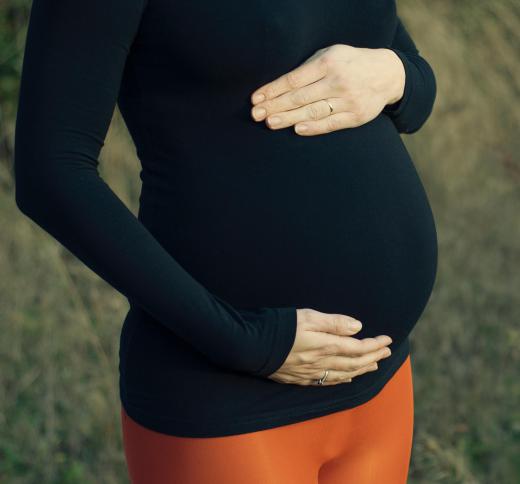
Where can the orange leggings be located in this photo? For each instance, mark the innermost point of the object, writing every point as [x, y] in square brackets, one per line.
[367, 444]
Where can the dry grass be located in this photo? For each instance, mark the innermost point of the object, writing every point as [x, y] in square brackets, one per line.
[59, 408]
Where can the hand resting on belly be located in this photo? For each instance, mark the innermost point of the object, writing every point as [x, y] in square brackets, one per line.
[323, 341]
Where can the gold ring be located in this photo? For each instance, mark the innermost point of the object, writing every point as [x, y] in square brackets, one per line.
[330, 106]
[323, 378]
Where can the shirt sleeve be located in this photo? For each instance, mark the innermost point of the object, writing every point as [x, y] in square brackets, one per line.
[416, 105]
[73, 63]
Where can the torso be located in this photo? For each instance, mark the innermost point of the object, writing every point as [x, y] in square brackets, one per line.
[338, 222]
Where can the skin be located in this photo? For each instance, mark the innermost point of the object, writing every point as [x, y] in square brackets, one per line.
[358, 82]
[324, 341]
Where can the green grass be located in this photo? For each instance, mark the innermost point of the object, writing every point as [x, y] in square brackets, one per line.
[59, 406]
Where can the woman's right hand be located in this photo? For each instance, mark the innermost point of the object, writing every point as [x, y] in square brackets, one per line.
[323, 342]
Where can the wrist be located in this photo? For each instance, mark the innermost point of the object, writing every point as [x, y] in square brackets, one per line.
[396, 77]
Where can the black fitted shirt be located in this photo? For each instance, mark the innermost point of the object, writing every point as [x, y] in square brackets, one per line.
[238, 225]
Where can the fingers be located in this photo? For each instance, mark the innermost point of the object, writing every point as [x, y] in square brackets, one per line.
[304, 74]
[355, 347]
[353, 363]
[331, 325]
[293, 99]
[335, 377]
[334, 122]
[310, 112]
[343, 369]
[337, 324]
[330, 338]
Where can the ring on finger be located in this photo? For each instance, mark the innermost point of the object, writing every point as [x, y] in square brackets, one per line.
[303, 114]
[331, 107]
[323, 378]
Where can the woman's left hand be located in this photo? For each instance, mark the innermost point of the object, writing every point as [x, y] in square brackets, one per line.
[358, 83]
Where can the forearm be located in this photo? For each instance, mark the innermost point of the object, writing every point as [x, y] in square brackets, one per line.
[69, 87]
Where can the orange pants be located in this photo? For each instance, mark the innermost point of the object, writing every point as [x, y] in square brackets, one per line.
[367, 444]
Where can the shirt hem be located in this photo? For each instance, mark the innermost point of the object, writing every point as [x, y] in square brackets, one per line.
[183, 428]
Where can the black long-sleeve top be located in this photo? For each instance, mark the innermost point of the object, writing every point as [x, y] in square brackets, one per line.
[238, 225]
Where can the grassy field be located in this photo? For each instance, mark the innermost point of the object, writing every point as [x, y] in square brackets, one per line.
[59, 420]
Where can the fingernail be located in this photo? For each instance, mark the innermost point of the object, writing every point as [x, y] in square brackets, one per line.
[300, 128]
[355, 325]
[258, 98]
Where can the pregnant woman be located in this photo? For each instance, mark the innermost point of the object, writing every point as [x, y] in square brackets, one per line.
[258, 244]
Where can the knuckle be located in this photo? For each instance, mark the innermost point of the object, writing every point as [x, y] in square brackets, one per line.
[307, 314]
[384, 352]
[332, 123]
[334, 47]
[372, 342]
[346, 321]
[350, 374]
[360, 114]
[326, 58]
[355, 363]
[351, 347]
[339, 81]
[358, 371]
[331, 349]
[354, 103]
[293, 79]
[305, 358]
[313, 112]
[269, 92]
[300, 97]
[372, 356]
[351, 99]
[336, 324]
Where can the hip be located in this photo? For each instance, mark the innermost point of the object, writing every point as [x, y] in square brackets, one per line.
[172, 388]
[375, 437]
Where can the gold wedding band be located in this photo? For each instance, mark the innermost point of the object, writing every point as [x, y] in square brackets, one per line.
[330, 106]
[323, 378]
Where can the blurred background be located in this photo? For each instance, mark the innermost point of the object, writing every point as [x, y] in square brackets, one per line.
[60, 323]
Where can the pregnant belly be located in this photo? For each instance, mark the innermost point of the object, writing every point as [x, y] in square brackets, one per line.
[338, 222]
